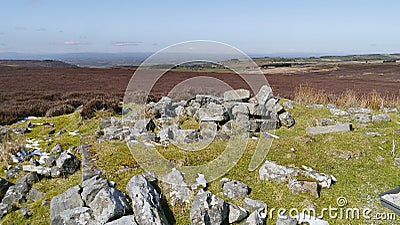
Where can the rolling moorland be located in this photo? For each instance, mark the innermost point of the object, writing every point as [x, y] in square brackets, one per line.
[75, 99]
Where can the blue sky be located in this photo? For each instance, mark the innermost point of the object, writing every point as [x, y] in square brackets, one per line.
[264, 27]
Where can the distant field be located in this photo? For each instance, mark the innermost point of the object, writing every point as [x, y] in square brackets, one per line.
[28, 91]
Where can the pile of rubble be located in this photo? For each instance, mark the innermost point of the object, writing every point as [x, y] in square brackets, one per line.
[59, 163]
[216, 117]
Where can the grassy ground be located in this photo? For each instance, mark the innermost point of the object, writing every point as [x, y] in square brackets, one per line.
[360, 178]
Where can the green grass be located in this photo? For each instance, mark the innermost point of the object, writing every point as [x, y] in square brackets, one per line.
[360, 179]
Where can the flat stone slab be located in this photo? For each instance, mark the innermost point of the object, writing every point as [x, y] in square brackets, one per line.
[237, 95]
[339, 127]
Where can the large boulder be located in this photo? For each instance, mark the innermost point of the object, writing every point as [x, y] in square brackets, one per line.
[68, 200]
[256, 218]
[236, 213]
[176, 188]
[208, 209]
[17, 194]
[239, 95]
[286, 119]
[144, 125]
[252, 205]
[212, 112]
[68, 162]
[273, 105]
[272, 171]
[264, 94]
[146, 202]
[163, 108]
[234, 189]
[91, 187]
[4, 185]
[75, 216]
[380, 118]
[339, 127]
[109, 204]
[125, 220]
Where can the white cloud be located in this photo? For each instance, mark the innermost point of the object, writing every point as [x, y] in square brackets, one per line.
[70, 43]
[126, 43]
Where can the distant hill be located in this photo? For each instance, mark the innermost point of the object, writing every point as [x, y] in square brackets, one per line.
[36, 63]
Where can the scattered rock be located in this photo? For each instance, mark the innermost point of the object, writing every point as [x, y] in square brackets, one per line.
[109, 204]
[288, 104]
[272, 171]
[79, 215]
[311, 220]
[145, 201]
[125, 220]
[55, 172]
[252, 205]
[236, 213]
[263, 94]
[91, 187]
[51, 160]
[68, 162]
[56, 149]
[200, 181]
[285, 219]
[45, 171]
[25, 212]
[68, 200]
[316, 106]
[360, 110]
[208, 209]
[362, 118]
[62, 131]
[235, 189]
[212, 112]
[390, 109]
[298, 187]
[397, 162]
[286, 119]
[338, 112]
[373, 134]
[35, 194]
[4, 185]
[380, 118]
[237, 95]
[12, 173]
[176, 188]
[144, 125]
[339, 127]
[256, 218]
[325, 122]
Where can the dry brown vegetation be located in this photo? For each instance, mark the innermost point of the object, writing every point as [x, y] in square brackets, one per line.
[349, 98]
[37, 91]
[10, 146]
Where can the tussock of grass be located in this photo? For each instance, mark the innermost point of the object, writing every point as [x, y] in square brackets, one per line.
[10, 146]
